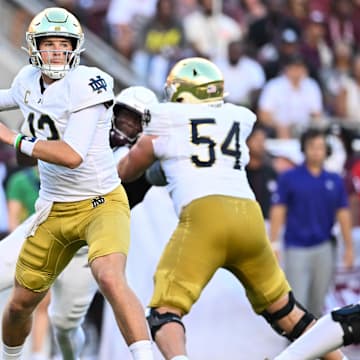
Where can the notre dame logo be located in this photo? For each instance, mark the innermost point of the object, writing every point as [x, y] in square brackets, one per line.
[98, 84]
[97, 201]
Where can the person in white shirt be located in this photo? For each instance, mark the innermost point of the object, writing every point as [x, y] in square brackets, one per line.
[290, 102]
[243, 76]
[208, 30]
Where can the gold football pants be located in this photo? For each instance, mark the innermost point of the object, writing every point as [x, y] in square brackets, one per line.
[102, 223]
[218, 232]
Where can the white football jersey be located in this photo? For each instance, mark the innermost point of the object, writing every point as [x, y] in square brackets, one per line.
[47, 116]
[202, 149]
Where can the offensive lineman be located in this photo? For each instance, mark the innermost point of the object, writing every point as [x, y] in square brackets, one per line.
[81, 201]
[201, 144]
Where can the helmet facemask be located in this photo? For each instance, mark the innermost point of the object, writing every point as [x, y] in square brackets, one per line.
[130, 113]
[126, 125]
[59, 23]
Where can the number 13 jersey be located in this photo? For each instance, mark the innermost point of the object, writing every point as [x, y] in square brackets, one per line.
[48, 116]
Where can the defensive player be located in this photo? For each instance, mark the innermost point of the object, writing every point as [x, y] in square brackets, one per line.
[81, 200]
[201, 144]
[340, 327]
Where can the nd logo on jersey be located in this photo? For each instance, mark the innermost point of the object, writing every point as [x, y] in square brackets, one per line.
[98, 84]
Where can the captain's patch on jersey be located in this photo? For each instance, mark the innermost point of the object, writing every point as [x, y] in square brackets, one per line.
[98, 84]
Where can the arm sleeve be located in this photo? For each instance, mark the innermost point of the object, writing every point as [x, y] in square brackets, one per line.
[81, 128]
[7, 101]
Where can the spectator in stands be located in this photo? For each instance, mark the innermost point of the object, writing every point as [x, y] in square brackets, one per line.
[343, 25]
[260, 171]
[334, 77]
[254, 10]
[298, 11]
[288, 46]
[91, 13]
[291, 101]
[209, 30]
[349, 136]
[124, 19]
[161, 43]
[308, 202]
[243, 76]
[347, 100]
[22, 190]
[264, 34]
[314, 47]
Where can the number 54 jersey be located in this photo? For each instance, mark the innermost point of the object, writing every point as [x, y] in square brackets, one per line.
[202, 149]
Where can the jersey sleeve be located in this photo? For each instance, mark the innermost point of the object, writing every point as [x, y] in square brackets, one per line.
[7, 102]
[89, 86]
[9, 97]
[160, 123]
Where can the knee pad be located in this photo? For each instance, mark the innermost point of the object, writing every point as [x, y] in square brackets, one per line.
[349, 319]
[157, 320]
[301, 325]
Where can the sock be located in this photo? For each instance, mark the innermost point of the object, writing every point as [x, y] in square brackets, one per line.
[11, 352]
[142, 350]
[326, 335]
[38, 356]
[180, 357]
[71, 342]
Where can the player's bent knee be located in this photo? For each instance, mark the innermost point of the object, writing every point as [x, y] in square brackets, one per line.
[349, 319]
[69, 319]
[299, 327]
[157, 320]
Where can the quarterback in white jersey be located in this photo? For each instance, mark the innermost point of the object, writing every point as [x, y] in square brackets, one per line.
[81, 201]
[201, 144]
[72, 295]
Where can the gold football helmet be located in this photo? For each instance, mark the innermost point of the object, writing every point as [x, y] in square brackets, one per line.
[194, 80]
[54, 22]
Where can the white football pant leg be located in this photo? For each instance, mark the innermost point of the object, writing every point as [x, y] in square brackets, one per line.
[71, 296]
[10, 247]
[324, 336]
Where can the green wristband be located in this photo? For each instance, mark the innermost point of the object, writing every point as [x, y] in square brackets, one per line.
[17, 141]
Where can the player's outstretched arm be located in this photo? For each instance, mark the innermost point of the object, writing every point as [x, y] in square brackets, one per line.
[56, 151]
[138, 159]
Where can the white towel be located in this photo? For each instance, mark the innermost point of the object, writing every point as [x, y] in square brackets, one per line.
[42, 211]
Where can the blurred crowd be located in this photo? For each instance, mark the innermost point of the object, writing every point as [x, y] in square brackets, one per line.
[295, 63]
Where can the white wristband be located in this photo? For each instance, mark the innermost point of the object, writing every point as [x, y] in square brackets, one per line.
[27, 145]
[276, 245]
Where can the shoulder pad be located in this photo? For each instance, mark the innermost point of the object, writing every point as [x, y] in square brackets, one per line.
[89, 86]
